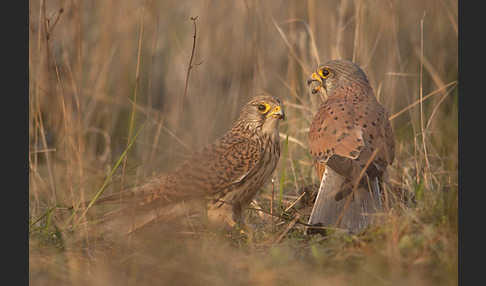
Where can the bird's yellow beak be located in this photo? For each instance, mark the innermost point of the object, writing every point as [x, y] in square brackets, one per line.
[315, 77]
[277, 112]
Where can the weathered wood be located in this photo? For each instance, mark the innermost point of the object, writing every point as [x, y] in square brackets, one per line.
[355, 216]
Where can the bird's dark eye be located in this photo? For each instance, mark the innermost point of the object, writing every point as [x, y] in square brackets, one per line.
[263, 107]
[324, 72]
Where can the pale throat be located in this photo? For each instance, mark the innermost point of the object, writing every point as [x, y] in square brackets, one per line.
[270, 128]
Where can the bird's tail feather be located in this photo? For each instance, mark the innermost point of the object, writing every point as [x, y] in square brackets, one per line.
[377, 193]
[353, 213]
[127, 220]
[138, 207]
[156, 190]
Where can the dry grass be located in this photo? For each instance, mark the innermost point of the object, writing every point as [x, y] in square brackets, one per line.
[99, 70]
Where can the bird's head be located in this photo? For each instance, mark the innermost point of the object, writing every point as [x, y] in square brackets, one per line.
[336, 73]
[263, 111]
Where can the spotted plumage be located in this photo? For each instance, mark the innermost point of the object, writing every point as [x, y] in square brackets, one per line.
[350, 125]
[228, 172]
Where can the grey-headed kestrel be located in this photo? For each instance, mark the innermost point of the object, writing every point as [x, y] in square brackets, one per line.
[228, 173]
[351, 135]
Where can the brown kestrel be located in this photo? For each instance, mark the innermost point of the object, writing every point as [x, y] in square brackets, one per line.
[350, 128]
[228, 173]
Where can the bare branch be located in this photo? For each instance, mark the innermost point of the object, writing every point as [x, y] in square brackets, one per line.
[193, 19]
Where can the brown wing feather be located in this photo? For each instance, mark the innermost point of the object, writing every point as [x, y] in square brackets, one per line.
[377, 133]
[219, 166]
[212, 170]
[351, 128]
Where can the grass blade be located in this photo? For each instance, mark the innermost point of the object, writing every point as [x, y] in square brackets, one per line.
[282, 177]
[108, 178]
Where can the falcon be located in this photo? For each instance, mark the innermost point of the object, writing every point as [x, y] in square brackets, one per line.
[351, 135]
[227, 173]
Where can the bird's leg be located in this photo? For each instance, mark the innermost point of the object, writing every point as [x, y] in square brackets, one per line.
[242, 226]
[222, 214]
[238, 217]
[237, 213]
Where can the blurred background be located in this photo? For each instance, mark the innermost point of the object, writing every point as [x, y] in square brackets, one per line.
[100, 71]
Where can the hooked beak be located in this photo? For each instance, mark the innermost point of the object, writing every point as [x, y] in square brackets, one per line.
[315, 77]
[277, 112]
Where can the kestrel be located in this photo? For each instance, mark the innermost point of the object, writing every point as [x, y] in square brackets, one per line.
[350, 128]
[228, 173]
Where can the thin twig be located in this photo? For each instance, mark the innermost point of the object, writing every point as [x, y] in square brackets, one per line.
[436, 108]
[295, 202]
[311, 36]
[35, 151]
[292, 91]
[357, 28]
[271, 203]
[106, 181]
[193, 19]
[297, 222]
[51, 27]
[421, 92]
[135, 92]
[437, 91]
[287, 229]
[176, 138]
[291, 50]
[292, 139]
[296, 106]
[44, 40]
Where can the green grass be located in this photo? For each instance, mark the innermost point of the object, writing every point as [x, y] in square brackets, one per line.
[99, 79]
